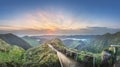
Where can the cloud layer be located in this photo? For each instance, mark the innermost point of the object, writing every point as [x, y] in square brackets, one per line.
[52, 22]
[84, 31]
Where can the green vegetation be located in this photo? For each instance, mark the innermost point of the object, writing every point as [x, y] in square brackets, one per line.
[82, 56]
[102, 42]
[14, 54]
[89, 58]
[41, 56]
[4, 47]
[57, 43]
[85, 57]
[10, 55]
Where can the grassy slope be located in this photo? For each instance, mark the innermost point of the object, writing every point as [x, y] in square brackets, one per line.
[10, 55]
[41, 56]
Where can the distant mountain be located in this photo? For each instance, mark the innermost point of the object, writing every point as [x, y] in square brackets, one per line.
[14, 40]
[71, 41]
[101, 42]
[31, 41]
[76, 43]
[48, 37]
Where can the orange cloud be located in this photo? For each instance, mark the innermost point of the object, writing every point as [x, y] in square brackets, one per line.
[46, 20]
[49, 21]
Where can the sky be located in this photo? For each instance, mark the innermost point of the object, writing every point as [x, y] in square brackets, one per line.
[59, 17]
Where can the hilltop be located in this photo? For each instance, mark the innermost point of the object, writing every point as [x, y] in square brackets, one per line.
[42, 56]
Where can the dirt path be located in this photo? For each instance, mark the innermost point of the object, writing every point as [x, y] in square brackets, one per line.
[65, 61]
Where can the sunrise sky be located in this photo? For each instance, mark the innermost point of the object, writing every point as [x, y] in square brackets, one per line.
[59, 17]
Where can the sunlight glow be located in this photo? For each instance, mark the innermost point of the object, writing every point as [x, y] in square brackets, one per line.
[43, 20]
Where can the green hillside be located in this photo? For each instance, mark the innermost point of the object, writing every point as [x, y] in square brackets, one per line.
[44, 56]
[41, 56]
[4, 47]
[10, 55]
[102, 42]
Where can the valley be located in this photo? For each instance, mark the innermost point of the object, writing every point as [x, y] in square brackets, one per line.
[78, 50]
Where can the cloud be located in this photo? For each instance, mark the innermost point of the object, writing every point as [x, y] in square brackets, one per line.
[83, 31]
[98, 30]
[46, 20]
[53, 22]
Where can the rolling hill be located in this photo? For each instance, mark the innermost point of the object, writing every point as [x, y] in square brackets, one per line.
[10, 55]
[101, 42]
[14, 40]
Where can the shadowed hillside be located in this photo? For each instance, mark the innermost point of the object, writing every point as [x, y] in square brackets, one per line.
[31, 41]
[14, 40]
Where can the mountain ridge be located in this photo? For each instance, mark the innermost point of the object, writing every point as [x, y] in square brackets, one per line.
[14, 40]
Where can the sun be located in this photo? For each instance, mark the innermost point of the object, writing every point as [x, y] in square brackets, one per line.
[51, 30]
